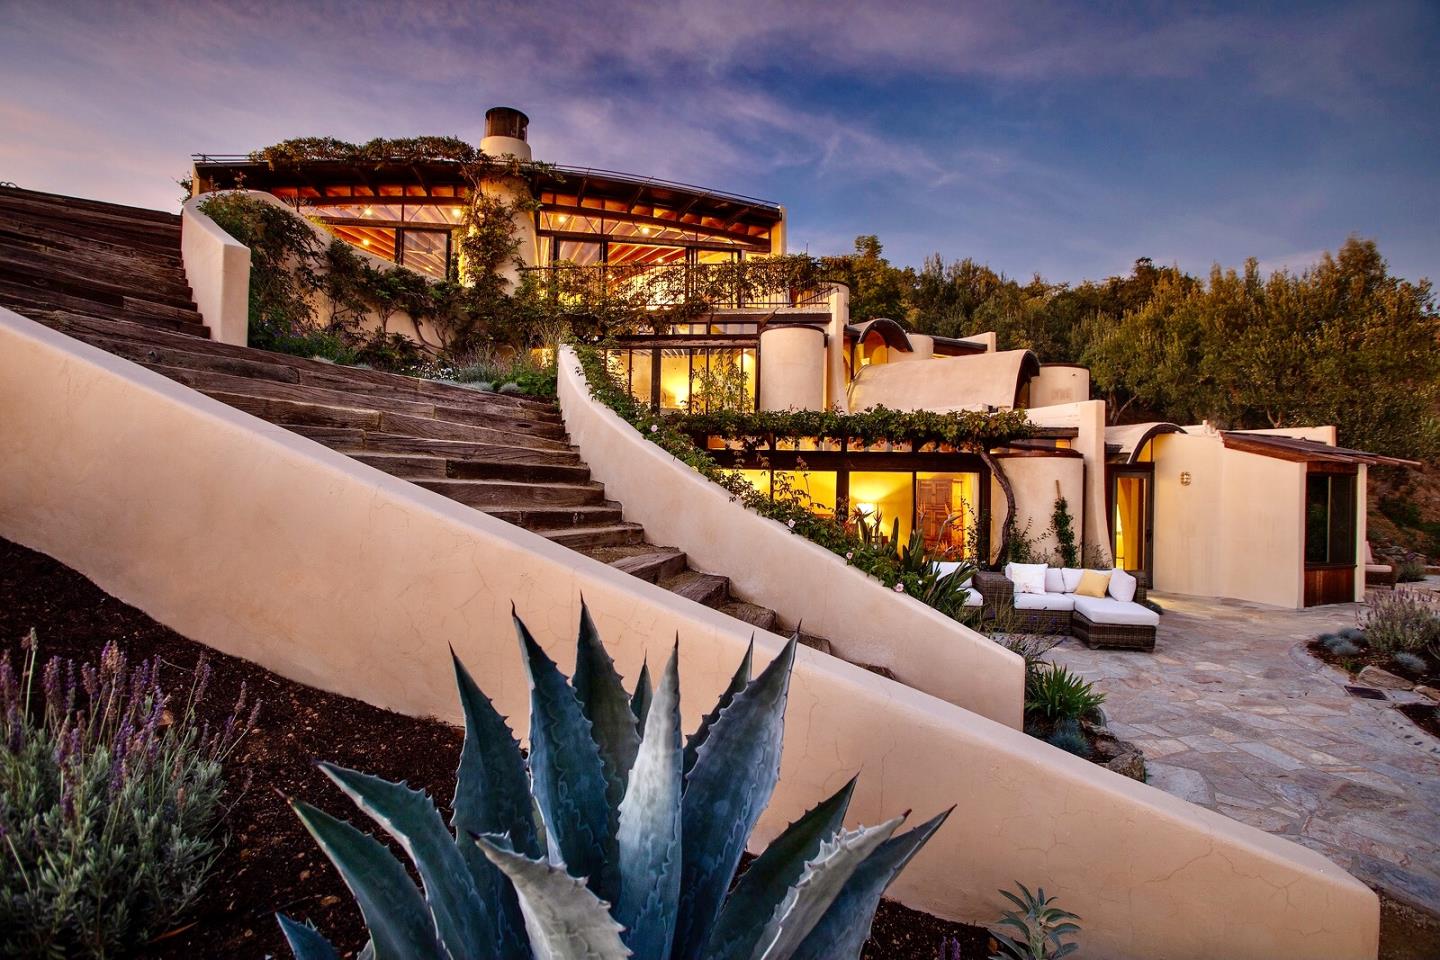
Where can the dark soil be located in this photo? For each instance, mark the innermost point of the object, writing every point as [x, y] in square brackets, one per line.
[270, 863]
[1425, 717]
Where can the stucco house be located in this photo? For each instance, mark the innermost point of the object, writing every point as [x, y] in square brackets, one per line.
[1270, 516]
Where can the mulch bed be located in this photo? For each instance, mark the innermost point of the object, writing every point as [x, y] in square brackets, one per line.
[269, 862]
[1424, 716]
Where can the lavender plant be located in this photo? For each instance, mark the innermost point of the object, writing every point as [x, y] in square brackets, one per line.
[109, 800]
[1402, 619]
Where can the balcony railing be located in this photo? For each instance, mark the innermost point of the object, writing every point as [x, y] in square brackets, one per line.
[763, 284]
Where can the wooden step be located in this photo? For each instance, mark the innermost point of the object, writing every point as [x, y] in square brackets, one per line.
[459, 451]
[546, 519]
[46, 307]
[416, 466]
[404, 465]
[761, 618]
[704, 589]
[651, 563]
[159, 355]
[487, 494]
[85, 203]
[160, 284]
[436, 429]
[601, 535]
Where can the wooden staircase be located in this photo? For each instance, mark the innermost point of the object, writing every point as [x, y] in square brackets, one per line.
[111, 276]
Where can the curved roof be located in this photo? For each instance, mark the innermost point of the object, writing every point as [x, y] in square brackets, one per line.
[1129, 439]
[971, 382]
[893, 334]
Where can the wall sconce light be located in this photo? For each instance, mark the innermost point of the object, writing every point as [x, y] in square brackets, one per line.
[1184, 478]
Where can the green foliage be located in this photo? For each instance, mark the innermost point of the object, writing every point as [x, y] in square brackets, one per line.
[614, 837]
[1064, 527]
[1339, 646]
[1410, 662]
[1409, 570]
[1054, 695]
[963, 430]
[1402, 620]
[109, 801]
[1344, 342]
[1036, 929]
[1067, 737]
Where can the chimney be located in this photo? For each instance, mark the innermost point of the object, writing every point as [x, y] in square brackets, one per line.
[505, 131]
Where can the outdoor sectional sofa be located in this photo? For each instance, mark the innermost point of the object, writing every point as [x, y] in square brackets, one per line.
[1107, 621]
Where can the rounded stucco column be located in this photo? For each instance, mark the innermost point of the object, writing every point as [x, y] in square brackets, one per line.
[792, 368]
[505, 141]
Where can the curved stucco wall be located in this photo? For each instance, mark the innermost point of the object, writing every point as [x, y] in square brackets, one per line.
[271, 547]
[792, 368]
[767, 564]
[217, 267]
[1059, 383]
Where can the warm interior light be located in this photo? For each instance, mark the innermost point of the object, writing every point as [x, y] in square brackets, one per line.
[455, 212]
[867, 509]
[562, 218]
[366, 212]
[645, 230]
[365, 242]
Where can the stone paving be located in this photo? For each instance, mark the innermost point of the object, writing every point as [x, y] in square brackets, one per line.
[1234, 714]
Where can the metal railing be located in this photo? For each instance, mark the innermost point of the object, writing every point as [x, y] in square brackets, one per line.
[742, 285]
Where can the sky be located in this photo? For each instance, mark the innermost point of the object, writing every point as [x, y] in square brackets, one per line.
[1065, 139]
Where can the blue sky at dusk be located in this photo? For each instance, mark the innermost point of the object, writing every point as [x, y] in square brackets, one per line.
[1067, 139]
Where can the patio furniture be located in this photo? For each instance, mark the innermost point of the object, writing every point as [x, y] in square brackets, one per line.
[1097, 621]
[1377, 574]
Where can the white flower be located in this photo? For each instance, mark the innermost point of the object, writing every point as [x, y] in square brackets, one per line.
[899, 588]
[850, 555]
[791, 524]
[654, 428]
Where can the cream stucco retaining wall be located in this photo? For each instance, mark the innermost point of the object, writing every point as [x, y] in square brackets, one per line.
[265, 545]
[217, 267]
[767, 564]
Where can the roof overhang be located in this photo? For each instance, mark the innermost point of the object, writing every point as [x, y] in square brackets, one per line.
[1305, 451]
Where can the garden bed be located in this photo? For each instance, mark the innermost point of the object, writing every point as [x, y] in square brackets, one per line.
[1410, 680]
[269, 862]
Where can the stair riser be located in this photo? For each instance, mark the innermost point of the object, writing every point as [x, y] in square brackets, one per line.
[585, 537]
[447, 430]
[488, 496]
[41, 304]
[556, 518]
[354, 440]
[657, 570]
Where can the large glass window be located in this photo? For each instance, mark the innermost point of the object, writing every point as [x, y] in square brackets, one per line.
[884, 498]
[816, 488]
[947, 507]
[426, 251]
[1330, 518]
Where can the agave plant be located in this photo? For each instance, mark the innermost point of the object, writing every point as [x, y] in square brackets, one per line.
[619, 838]
[1039, 928]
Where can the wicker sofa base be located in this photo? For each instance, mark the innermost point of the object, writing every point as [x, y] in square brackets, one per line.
[1126, 636]
[1049, 622]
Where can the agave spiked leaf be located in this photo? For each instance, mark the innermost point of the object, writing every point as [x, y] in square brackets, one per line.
[720, 808]
[843, 930]
[649, 837]
[640, 700]
[564, 919]
[824, 878]
[763, 886]
[737, 683]
[394, 911]
[462, 919]
[492, 796]
[305, 941]
[568, 774]
[607, 706]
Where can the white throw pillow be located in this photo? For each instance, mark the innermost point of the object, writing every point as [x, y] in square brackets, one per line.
[1122, 586]
[1071, 576]
[1028, 577]
[946, 567]
[1054, 582]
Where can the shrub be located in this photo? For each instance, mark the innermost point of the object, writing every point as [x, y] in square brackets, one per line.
[1339, 646]
[1402, 619]
[1354, 635]
[1409, 571]
[1054, 695]
[1040, 927]
[620, 839]
[1067, 737]
[109, 796]
[1409, 662]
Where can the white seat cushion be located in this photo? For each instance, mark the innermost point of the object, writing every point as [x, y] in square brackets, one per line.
[947, 567]
[973, 598]
[1122, 585]
[1027, 577]
[1114, 612]
[1045, 601]
[1054, 581]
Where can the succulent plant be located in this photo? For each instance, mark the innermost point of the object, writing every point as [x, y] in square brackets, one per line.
[1410, 662]
[1067, 737]
[1354, 635]
[1040, 928]
[621, 839]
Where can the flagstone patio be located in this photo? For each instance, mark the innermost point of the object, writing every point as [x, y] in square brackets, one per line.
[1234, 714]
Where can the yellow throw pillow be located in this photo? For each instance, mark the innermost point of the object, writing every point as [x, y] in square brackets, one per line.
[1093, 583]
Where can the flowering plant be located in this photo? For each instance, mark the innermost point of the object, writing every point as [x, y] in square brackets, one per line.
[109, 798]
